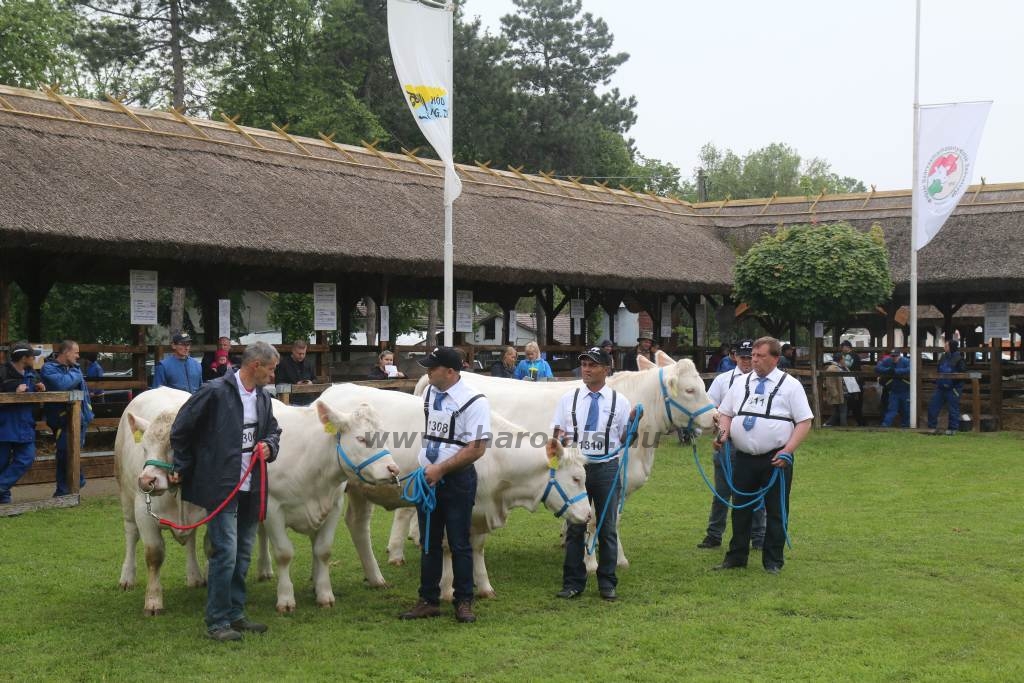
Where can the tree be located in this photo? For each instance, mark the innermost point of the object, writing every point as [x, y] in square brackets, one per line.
[34, 43]
[815, 272]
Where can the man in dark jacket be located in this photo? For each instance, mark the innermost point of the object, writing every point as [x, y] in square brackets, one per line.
[297, 368]
[947, 391]
[214, 438]
[17, 425]
[644, 341]
[62, 373]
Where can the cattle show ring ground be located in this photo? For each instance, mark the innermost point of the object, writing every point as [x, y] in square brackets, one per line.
[906, 564]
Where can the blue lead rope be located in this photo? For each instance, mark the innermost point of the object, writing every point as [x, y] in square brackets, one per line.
[621, 474]
[757, 497]
[417, 491]
[358, 469]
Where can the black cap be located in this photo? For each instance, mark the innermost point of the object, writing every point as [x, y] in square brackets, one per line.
[443, 356]
[745, 349]
[846, 342]
[606, 342]
[954, 345]
[181, 338]
[21, 349]
[595, 354]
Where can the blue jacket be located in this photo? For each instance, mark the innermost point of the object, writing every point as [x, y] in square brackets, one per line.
[951, 362]
[173, 372]
[725, 365]
[895, 373]
[58, 377]
[17, 425]
[524, 366]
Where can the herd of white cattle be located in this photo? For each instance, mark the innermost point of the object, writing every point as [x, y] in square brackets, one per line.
[308, 480]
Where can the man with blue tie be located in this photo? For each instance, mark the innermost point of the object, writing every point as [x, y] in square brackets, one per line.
[598, 438]
[456, 431]
[775, 419]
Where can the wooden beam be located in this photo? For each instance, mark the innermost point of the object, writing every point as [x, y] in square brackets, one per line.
[184, 119]
[371, 147]
[412, 155]
[329, 139]
[238, 129]
[283, 132]
[56, 97]
[125, 110]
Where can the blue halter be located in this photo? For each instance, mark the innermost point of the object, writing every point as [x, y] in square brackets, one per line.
[358, 469]
[672, 403]
[567, 502]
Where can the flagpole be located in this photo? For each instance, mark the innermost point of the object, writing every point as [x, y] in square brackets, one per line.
[449, 238]
[914, 356]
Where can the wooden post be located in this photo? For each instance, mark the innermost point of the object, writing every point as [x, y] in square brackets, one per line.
[73, 433]
[139, 359]
[996, 399]
[816, 351]
[318, 367]
[976, 402]
[5, 316]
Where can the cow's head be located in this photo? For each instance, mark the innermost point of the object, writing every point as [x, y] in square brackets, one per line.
[155, 438]
[566, 490]
[683, 386]
[360, 446]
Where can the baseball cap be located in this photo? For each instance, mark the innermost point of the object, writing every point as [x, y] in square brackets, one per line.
[606, 342]
[745, 349]
[596, 354]
[443, 356]
[181, 338]
[847, 343]
[22, 349]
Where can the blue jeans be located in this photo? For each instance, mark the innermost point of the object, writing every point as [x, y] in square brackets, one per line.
[231, 535]
[61, 458]
[15, 459]
[456, 494]
[602, 484]
[943, 396]
[720, 512]
[899, 402]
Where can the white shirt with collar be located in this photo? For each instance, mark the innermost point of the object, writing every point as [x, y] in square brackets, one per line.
[592, 444]
[249, 424]
[473, 424]
[722, 383]
[768, 433]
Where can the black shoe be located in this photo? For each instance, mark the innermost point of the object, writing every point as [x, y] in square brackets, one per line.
[773, 569]
[250, 626]
[421, 610]
[609, 594]
[568, 593]
[710, 542]
[728, 565]
[223, 634]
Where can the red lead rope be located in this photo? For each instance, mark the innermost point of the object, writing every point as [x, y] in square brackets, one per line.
[259, 454]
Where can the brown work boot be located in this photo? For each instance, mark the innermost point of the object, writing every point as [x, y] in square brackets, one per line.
[464, 612]
[421, 610]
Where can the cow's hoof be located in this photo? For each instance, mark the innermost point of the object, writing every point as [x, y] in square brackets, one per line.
[396, 561]
[153, 611]
[264, 577]
[447, 596]
[286, 608]
[623, 564]
[196, 583]
[379, 585]
[485, 593]
[126, 585]
[325, 602]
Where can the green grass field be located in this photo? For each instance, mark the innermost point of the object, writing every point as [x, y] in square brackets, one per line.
[907, 565]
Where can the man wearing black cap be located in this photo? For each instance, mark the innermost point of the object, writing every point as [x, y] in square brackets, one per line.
[719, 510]
[179, 371]
[644, 340]
[947, 391]
[609, 348]
[17, 425]
[456, 431]
[595, 420]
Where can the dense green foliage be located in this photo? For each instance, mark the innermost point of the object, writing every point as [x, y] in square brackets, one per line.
[815, 272]
[904, 566]
[35, 37]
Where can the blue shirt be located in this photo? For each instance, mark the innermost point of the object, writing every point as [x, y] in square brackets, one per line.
[177, 373]
[16, 422]
[543, 369]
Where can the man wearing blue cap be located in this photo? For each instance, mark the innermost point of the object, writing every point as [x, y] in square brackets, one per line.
[17, 425]
[456, 431]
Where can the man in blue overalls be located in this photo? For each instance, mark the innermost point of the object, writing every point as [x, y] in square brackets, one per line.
[896, 368]
[17, 425]
[947, 391]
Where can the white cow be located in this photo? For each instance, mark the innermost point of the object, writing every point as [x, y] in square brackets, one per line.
[508, 476]
[534, 403]
[307, 450]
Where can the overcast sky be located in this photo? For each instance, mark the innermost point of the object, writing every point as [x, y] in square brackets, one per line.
[832, 79]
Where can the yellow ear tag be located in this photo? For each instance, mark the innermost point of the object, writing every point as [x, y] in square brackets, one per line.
[330, 428]
[137, 434]
[553, 463]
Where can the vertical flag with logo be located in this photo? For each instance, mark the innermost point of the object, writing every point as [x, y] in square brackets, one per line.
[947, 146]
[421, 48]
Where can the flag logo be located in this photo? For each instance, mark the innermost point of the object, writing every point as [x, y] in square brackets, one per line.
[428, 102]
[945, 174]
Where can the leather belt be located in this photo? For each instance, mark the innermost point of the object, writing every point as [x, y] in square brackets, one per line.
[769, 454]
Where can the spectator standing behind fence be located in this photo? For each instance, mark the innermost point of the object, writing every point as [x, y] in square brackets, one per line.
[895, 370]
[644, 341]
[947, 391]
[179, 371]
[17, 424]
[506, 365]
[297, 368]
[729, 362]
[787, 361]
[216, 363]
[92, 370]
[533, 367]
[385, 367]
[854, 399]
[835, 393]
[61, 373]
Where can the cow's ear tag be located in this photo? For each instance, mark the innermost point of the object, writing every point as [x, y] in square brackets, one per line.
[137, 435]
[553, 462]
[329, 427]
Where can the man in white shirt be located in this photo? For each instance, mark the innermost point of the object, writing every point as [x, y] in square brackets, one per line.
[595, 420]
[766, 416]
[719, 510]
[457, 429]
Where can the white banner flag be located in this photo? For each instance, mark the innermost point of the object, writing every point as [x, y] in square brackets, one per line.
[947, 146]
[421, 48]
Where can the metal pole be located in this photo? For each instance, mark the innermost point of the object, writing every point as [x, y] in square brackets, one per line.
[449, 239]
[914, 357]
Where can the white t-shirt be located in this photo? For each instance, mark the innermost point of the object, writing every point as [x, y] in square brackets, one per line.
[472, 424]
[592, 443]
[721, 384]
[249, 423]
[786, 400]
